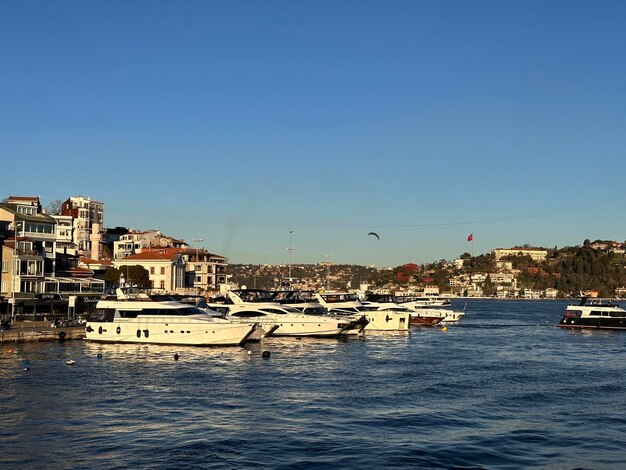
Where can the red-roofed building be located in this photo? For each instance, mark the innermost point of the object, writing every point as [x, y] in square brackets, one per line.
[166, 269]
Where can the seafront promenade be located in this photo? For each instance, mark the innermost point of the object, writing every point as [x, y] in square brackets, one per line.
[39, 331]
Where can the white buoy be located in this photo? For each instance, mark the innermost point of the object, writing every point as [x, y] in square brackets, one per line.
[70, 362]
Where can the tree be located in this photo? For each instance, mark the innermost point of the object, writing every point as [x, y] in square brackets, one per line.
[134, 275]
[489, 289]
[54, 208]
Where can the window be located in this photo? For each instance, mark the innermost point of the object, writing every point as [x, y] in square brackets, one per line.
[5, 266]
[162, 270]
[162, 284]
[5, 286]
[152, 270]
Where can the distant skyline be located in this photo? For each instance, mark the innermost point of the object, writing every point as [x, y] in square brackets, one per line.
[236, 122]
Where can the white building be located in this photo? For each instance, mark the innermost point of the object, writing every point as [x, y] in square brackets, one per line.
[166, 269]
[64, 234]
[88, 218]
[535, 253]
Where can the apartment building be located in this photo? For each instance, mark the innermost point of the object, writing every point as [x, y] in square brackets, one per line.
[88, 224]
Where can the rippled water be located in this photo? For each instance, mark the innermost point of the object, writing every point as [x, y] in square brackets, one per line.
[505, 388]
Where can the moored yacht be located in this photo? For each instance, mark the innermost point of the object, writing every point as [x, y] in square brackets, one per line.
[134, 317]
[390, 318]
[257, 305]
[594, 313]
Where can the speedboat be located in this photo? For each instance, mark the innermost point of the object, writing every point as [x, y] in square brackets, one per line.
[257, 305]
[134, 317]
[594, 313]
[388, 302]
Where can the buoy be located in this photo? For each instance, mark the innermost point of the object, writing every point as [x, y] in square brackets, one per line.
[176, 356]
[265, 354]
[99, 355]
[445, 328]
[70, 362]
[62, 335]
[26, 365]
[249, 353]
[9, 350]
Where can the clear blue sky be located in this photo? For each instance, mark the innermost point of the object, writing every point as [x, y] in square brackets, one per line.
[237, 121]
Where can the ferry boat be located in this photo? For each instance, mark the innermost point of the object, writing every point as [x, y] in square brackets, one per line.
[134, 317]
[594, 313]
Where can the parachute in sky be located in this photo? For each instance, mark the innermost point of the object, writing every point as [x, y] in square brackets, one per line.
[374, 234]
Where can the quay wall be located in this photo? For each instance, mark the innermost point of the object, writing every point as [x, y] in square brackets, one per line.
[20, 335]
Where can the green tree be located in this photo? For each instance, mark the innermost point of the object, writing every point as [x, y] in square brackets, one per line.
[134, 275]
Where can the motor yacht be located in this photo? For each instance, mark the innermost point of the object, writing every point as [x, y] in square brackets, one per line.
[134, 317]
[594, 313]
[257, 305]
[380, 318]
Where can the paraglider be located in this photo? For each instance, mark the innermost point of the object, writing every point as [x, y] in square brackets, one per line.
[374, 234]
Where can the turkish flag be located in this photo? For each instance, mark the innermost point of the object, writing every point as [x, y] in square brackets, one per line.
[470, 237]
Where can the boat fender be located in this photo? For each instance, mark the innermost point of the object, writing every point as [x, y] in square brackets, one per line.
[89, 329]
[118, 330]
[99, 330]
[138, 333]
[265, 354]
[62, 335]
[176, 356]
[146, 333]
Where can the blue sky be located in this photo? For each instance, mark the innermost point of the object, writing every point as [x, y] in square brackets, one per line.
[238, 121]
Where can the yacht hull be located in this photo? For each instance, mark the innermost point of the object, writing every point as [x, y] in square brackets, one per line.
[594, 323]
[169, 331]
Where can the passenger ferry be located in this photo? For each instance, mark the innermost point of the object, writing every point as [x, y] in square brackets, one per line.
[594, 313]
[134, 317]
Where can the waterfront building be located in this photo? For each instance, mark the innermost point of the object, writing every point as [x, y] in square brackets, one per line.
[64, 235]
[135, 241]
[205, 271]
[88, 224]
[166, 268]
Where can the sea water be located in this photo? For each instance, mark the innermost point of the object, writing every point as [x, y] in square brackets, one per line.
[505, 388]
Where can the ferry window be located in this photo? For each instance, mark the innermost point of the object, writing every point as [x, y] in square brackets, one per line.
[573, 313]
[617, 314]
[599, 313]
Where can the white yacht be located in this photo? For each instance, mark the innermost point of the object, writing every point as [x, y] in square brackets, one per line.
[393, 318]
[431, 309]
[134, 317]
[256, 305]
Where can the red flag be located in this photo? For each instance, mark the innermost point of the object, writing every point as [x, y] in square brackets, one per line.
[470, 237]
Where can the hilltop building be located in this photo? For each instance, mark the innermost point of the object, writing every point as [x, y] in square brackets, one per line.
[538, 254]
